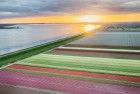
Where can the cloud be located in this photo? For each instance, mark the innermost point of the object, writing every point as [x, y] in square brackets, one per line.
[14, 8]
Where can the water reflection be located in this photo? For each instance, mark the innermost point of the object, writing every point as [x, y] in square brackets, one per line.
[31, 35]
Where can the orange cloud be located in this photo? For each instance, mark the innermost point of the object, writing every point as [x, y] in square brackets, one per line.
[135, 17]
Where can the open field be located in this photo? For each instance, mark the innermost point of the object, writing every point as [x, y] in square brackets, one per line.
[102, 62]
[89, 64]
[97, 52]
[110, 39]
[74, 74]
[79, 74]
[12, 89]
[64, 85]
[24, 53]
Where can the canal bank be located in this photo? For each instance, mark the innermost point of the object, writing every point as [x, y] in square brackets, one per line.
[22, 54]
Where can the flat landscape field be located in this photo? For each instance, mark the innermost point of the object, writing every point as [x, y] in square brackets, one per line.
[74, 74]
[103, 62]
[97, 52]
[109, 39]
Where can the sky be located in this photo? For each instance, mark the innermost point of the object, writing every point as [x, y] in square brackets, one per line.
[30, 8]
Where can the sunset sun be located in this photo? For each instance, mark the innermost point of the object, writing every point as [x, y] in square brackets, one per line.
[90, 27]
[89, 18]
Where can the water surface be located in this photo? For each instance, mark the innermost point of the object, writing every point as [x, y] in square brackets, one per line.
[28, 35]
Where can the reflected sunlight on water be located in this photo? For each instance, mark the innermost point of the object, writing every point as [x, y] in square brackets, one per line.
[90, 27]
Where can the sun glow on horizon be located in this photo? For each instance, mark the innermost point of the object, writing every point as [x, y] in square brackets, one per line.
[89, 18]
[90, 27]
[135, 17]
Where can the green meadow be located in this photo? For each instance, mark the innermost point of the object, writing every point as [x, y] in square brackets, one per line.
[88, 64]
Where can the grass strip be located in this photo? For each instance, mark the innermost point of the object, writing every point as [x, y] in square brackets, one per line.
[89, 64]
[24, 53]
